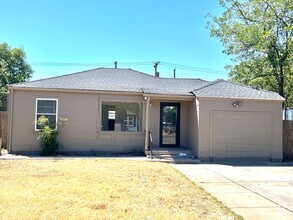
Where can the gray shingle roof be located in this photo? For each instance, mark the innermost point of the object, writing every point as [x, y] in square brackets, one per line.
[128, 80]
[117, 80]
[225, 89]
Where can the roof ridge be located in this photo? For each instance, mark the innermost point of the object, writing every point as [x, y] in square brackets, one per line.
[79, 72]
[209, 84]
[142, 73]
[110, 68]
[183, 78]
[162, 77]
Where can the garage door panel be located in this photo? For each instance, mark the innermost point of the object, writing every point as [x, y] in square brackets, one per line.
[228, 147]
[248, 147]
[262, 139]
[234, 154]
[262, 154]
[241, 134]
[221, 153]
[249, 154]
[234, 134]
[220, 141]
[247, 136]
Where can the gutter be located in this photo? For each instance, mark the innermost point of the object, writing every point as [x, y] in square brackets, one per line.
[74, 90]
[234, 98]
[158, 96]
[169, 97]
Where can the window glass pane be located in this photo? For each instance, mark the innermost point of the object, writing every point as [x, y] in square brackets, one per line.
[121, 116]
[52, 120]
[46, 106]
[169, 125]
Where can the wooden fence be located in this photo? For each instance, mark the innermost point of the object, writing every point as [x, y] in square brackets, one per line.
[288, 140]
[3, 129]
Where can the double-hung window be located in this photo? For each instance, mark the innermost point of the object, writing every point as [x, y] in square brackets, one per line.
[48, 108]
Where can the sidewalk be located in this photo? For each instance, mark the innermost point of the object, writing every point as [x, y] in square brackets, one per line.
[183, 160]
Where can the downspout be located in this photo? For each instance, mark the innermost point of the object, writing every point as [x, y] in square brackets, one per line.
[147, 129]
[10, 116]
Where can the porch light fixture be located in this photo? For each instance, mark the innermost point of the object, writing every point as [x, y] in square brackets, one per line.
[237, 104]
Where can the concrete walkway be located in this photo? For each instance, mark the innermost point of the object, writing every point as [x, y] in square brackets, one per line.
[254, 191]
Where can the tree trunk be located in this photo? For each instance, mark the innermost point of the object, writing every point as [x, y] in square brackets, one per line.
[281, 85]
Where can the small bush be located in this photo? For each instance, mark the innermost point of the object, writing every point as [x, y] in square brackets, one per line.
[48, 135]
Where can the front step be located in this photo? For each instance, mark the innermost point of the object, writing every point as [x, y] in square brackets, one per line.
[172, 155]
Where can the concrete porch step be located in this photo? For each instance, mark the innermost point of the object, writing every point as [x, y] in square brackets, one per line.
[175, 160]
[172, 151]
[172, 155]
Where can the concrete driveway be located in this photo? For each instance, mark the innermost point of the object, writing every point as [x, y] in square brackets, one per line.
[260, 190]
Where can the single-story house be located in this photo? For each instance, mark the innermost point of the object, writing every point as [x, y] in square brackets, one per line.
[114, 110]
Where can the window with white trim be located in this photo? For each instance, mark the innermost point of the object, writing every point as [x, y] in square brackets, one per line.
[48, 108]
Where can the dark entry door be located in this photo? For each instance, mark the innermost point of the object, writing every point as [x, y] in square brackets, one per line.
[170, 124]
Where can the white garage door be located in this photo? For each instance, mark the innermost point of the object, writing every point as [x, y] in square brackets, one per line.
[241, 134]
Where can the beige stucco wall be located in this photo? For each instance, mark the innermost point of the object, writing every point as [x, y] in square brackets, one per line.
[82, 133]
[207, 107]
[192, 127]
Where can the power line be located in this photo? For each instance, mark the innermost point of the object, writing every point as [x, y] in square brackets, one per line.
[88, 64]
[144, 63]
[180, 66]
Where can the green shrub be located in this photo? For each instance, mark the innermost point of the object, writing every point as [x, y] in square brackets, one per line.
[48, 135]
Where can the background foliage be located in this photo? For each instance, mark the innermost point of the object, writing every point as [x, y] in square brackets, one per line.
[13, 69]
[257, 34]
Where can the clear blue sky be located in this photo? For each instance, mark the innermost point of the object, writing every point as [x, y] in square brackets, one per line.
[53, 32]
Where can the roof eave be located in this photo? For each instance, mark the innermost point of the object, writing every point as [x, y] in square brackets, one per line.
[72, 90]
[169, 96]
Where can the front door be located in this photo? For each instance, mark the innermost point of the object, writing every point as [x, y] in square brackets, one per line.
[170, 124]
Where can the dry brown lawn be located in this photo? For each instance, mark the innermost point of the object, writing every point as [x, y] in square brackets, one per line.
[101, 189]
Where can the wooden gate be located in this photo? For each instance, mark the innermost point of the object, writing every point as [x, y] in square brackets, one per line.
[288, 140]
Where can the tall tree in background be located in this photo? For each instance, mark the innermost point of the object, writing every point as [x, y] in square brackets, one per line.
[13, 69]
[258, 36]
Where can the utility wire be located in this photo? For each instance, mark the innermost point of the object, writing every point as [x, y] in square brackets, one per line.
[145, 63]
[88, 64]
[179, 66]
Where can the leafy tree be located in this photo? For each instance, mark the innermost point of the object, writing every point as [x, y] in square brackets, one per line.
[258, 36]
[13, 69]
